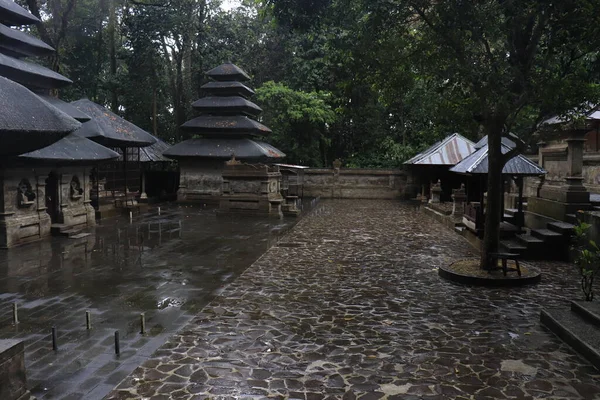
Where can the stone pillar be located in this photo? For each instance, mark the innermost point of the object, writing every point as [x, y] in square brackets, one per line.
[12, 370]
[541, 144]
[459, 198]
[575, 191]
[143, 195]
[436, 192]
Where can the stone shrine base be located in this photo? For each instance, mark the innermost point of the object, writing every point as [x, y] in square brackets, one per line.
[12, 370]
[468, 272]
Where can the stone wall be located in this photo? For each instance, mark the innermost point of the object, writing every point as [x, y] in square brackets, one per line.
[24, 213]
[350, 183]
[557, 169]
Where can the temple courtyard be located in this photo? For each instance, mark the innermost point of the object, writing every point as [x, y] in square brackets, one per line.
[349, 305]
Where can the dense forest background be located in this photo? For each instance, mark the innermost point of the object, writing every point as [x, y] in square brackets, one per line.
[337, 79]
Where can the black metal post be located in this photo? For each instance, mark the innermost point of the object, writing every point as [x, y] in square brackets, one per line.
[88, 320]
[54, 343]
[117, 344]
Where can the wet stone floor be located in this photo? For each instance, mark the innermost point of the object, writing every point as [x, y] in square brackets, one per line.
[349, 305]
[167, 266]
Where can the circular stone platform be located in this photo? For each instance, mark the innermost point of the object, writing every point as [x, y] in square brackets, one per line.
[467, 271]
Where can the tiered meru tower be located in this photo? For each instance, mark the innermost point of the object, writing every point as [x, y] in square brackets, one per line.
[226, 129]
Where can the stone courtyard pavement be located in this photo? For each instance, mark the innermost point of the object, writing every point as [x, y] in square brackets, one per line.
[349, 305]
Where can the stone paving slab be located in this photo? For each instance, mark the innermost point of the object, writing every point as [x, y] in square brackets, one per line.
[349, 305]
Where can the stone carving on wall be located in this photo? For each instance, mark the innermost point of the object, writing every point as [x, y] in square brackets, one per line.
[76, 190]
[25, 194]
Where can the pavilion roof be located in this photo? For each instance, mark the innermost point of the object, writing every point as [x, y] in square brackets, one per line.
[72, 149]
[505, 141]
[66, 108]
[111, 130]
[30, 74]
[591, 113]
[22, 43]
[13, 14]
[228, 72]
[218, 125]
[27, 122]
[228, 88]
[477, 163]
[226, 104]
[449, 151]
[154, 152]
[242, 148]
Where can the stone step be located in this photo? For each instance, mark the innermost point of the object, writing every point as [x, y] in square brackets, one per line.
[561, 227]
[589, 311]
[511, 211]
[56, 229]
[71, 232]
[80, 235]
[530, 240]
[547, 235]
[513, 246]
[581, 335]
[571, 218]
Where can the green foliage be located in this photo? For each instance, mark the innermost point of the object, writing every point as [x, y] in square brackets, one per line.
[588, 259]
[299, 121]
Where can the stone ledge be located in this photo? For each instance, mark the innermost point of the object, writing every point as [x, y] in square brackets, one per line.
[530, 275]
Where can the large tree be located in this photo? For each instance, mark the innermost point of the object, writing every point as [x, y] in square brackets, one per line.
[499, 59]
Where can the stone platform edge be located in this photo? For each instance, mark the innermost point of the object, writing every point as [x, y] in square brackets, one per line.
[450, 275]
[569, 337]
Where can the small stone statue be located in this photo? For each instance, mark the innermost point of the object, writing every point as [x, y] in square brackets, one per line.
[337, 164]
[232, 161]
[76, 190]
[25, 194]
[436, 192]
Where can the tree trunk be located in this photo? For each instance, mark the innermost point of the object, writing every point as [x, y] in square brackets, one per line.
[491, 237]
[154, 112]
[112, 21]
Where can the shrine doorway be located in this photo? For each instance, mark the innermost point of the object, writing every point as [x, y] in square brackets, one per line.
[53, 196]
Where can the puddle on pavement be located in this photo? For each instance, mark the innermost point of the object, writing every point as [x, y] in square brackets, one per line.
[167, 267]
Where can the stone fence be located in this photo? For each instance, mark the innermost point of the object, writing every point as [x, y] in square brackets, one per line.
[354, 183]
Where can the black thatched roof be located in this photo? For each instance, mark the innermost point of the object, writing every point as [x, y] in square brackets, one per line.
[226, 105]
[66, 108]
[230, 88]
[242, 148]
[154, 153]
[31, 75]
[22, 43]
[28, 123]
[13, 14]
[90, 129]
[72, 149]
[219, 125]
[228, 72]
[114, 131]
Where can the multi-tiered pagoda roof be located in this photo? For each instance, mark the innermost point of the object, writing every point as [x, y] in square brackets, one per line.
[226, 125]
[37, 126]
